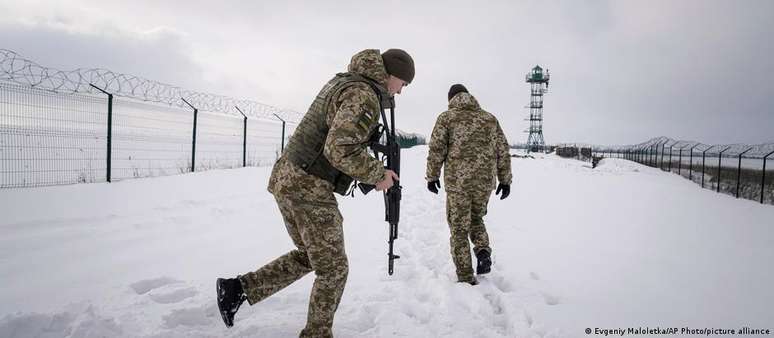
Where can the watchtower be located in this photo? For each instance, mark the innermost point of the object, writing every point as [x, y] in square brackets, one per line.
[538, 80]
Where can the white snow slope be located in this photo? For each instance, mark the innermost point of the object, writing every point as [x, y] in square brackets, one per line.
[619, 246]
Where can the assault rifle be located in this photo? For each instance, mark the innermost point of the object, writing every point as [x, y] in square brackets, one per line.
[390, 152]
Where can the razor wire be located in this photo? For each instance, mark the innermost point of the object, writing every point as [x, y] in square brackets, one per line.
[16, 69]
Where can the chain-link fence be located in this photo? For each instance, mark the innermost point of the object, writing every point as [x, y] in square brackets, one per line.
[54, 129]
[741, 170]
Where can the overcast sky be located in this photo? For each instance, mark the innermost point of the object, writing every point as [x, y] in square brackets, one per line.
[621, 71]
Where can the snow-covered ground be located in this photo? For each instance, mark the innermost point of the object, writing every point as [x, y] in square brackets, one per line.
[622, 245]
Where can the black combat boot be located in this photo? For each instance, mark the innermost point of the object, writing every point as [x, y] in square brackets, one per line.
[484, 262]
[472, 280]
[230, 297]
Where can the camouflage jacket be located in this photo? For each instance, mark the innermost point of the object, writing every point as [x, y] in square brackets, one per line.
[351, 117]
[471, 146]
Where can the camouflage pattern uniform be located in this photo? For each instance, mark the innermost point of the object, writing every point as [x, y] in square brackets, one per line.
[309, 208]
[471, 146]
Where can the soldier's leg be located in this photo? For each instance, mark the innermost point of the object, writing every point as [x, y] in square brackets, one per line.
[284, 270]
[458, 216]
[478, 234]
[320, 228]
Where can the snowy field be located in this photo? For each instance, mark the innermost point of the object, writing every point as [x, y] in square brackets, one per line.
[619, 246]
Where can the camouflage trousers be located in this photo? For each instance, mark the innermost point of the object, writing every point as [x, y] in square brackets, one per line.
[465, 213]
[316, 230]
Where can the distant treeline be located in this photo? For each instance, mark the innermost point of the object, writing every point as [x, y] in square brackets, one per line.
[408, 140]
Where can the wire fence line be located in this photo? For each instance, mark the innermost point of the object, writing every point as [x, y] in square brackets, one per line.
[96, 126]
[741, 170]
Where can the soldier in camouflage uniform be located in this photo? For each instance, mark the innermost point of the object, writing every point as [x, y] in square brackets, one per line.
[471, 146]
[326, 152]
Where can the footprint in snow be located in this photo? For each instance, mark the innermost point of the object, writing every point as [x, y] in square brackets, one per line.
[501, 283]
[495, 302]
[528, 318]
[175, 296]
[196, 316]
[193, 203]
[550, 299]
[142, 287]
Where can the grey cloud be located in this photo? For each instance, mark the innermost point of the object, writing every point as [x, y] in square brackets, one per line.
[161, 55]
[622, 71]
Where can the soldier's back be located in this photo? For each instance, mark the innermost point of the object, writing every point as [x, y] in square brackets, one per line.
[471, 133]
[471, 158]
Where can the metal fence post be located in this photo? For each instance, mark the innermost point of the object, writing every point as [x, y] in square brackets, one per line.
[244, 138]
[651, 153]
[690, 165]
[193, 144]
[109, 133]
[663, 145]
[680, 161]
[739, 171]
[661, 166]
[670, 157]
[283, 131]
[703, 153]
[720, 161]
[763, 179]
[655, 159]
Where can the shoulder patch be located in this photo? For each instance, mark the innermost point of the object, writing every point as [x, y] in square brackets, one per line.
[367, 120]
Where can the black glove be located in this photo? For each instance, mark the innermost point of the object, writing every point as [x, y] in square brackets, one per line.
[433, 186]
[505, 188]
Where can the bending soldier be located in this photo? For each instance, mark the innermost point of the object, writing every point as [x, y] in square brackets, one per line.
[326, 152]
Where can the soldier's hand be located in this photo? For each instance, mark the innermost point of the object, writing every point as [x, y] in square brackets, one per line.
[505, 188]
[389, 179]
[433, 186]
